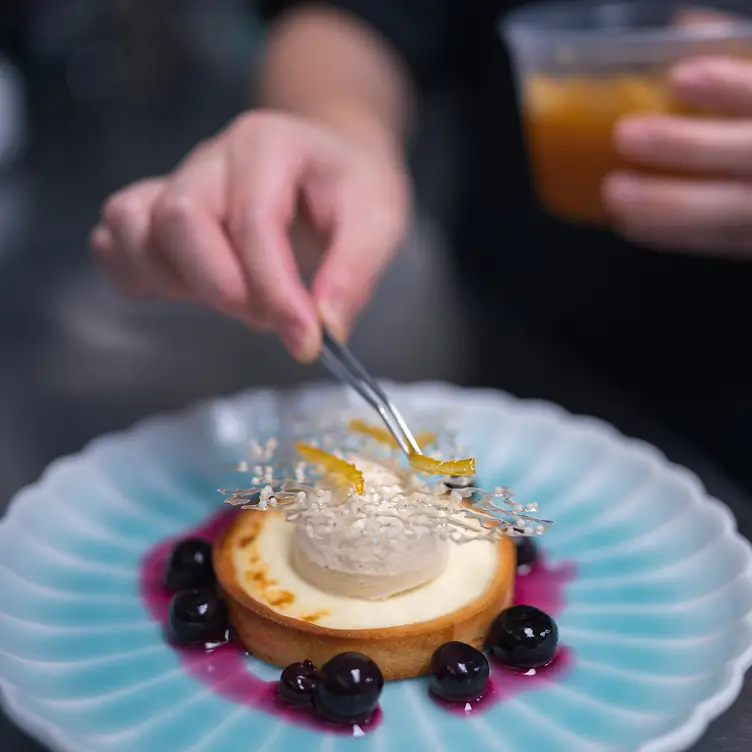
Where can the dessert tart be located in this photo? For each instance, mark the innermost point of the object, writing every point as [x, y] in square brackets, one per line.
[281, 617]
[357, 553]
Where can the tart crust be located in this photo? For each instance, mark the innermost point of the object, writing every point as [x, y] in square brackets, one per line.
[402, 651]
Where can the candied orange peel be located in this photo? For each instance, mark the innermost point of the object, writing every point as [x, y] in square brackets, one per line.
[418, 461]
[332, 464]
[462, 468]
[423, 438]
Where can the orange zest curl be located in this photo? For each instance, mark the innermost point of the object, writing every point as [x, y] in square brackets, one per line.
[463, 468]
[424, 438]
[333, 465]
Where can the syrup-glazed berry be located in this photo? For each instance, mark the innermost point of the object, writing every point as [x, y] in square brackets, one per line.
[190, 565]
[458, 481]
[297, 683]
[459, 672]
[523, 637]
[197, 617]
[527, 551]
[348, 688]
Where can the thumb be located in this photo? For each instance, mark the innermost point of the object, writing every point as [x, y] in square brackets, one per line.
[363, 241]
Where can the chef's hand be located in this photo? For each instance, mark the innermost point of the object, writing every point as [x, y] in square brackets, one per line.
[710, 216]
[216, 230]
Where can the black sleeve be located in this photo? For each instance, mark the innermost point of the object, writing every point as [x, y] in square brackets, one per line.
[421, 31]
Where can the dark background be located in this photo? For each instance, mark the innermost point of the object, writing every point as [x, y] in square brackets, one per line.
[115, 91]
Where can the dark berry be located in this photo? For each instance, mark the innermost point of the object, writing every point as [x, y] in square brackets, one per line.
[348, 688]
[190, 565]
[527, 551]
[297, 682]
[523, 637]
[459, 672]
[197, 616]
[458, 481]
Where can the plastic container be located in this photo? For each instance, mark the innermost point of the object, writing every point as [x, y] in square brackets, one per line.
[582, 65]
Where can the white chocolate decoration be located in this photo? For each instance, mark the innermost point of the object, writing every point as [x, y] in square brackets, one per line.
[400, 508]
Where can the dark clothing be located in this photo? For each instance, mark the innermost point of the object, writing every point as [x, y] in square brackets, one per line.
[669, 327]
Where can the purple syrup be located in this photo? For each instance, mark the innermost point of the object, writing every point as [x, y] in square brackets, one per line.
[506, 682]
[222, 667]
[470, 707]
[543, 586]
[538, 585]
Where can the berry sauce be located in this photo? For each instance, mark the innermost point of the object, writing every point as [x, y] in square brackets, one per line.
[544, 587]
[508, 682]
[223, 668]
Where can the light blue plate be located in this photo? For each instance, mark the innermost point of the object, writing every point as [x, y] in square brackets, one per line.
[658, 618]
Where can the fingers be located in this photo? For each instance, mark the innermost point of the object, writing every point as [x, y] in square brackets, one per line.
[119, 273]
[719, 85]
[693, 214]
[363, 242]
[122, 243]
[722, 147]
[263, 200]
[708, 145]
[713, 217]
[187, 229]
[702, 215]
[217, 230]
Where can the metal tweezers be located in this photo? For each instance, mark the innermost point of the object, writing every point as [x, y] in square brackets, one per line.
[338, 359]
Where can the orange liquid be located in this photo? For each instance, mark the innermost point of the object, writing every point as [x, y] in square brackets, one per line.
[569, 126]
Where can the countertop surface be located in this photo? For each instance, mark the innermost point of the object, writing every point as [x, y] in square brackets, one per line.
[76, 361]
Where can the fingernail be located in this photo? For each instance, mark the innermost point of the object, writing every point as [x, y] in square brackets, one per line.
[334, 317]
[303, 342]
